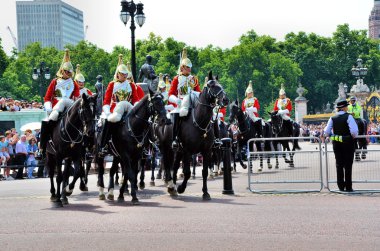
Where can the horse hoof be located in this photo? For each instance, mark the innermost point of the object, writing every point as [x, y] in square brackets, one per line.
[291, 165]
[53, 198]
[142, 186]
[65, 201]
[181, 189]
[102, 197]
[277, 166]
[120, 199]
[244, 166]
[206, 197]
[83, 188]
[172, 192]
[357, 159]
[110, 197]
[287, 161]
[269, 166]
[135, 202]
[57, 204]
[152, 184]
[260, 169]
[364, 156]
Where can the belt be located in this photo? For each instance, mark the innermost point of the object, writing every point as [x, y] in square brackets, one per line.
[340, 138]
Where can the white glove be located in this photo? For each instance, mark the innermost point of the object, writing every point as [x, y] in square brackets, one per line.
[254, 109]
[48, 107]
[106, 110]
[283, 111]
[169, 107]
[220, 115]
[175, 100]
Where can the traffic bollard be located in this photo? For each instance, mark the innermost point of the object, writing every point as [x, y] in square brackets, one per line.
[227, 178]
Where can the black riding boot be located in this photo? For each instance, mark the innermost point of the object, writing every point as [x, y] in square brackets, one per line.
[105, 137]
[45, 136]
[289, 125]
[176, 123]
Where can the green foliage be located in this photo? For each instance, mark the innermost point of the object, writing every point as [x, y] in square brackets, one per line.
[317, 62]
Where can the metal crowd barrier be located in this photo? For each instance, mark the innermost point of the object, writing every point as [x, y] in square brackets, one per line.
[365, 172]
[305, 176]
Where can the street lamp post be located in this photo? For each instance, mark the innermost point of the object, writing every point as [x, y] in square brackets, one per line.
[359, 72]
[133, 11]
[41, 73]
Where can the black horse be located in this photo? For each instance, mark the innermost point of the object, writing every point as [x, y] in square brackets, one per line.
[279, 130]
[196, 135]
[129, 137]
[66, 142]
[248, 130]
[361, 143]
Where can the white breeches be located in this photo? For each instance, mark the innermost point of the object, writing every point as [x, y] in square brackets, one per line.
[185, 104]
[60, 107]
[284, 114]
[120, 109]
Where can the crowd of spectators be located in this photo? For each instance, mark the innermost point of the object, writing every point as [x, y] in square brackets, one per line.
[11, 105]
[19, 150]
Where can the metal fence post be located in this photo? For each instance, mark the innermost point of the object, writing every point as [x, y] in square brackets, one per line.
[227, 178]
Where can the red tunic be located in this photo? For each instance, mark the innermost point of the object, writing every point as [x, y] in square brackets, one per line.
[174, 88]
[256, 104]
[110, 97]
[224, 111]
[51, 96]
[279, 104]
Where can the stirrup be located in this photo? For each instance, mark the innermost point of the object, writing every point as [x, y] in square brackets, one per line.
[175, 144]
[218, 142]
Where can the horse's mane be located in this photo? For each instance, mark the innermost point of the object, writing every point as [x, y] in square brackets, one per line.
[140, 104]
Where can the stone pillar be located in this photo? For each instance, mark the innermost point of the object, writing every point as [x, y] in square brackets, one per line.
[301, 105]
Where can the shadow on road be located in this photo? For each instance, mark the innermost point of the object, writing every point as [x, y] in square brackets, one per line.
[88, 208]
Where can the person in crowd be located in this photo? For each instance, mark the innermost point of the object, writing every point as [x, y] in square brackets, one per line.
[4, 155]
[342, 129]
[3, 105]
[31, 161]
[21, 155]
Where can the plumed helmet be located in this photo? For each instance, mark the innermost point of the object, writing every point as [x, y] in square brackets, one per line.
[184, 59]
[282, 90]
[78, 75]
[121, 67]
[161, 82]
[249, 88]
[66, 64]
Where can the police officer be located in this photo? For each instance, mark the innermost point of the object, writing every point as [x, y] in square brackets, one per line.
[354, 108]
[342, 130]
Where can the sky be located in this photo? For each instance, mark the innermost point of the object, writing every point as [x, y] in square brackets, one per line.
[203, 22]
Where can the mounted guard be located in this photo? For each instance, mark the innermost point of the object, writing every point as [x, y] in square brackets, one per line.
[251, 105]
[79, 80]
[179, 94]
[121, 94]
[61, 93]
[283, 107]
[162, 88]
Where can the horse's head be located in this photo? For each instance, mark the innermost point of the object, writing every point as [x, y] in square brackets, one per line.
[215, 91]
[157, 106]
[277, 122]
[87, 114]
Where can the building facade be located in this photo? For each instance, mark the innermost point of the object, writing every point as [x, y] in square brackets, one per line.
[374, 21]
[50, 22]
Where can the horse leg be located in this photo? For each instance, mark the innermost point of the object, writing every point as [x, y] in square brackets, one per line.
[186, 171]
[66, 175]
[111, 184]
[259, 149]
[206, 159]
[169, 163]
[142, 163]
[244, 166]
[364, 147]
[194, 163]
[51, 164]
[79, 172]
[177, 161]
[84, 178]
[100, 163]
[59, 178]
[153, 167]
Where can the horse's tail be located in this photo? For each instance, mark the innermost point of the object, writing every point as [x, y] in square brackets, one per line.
[296, 133]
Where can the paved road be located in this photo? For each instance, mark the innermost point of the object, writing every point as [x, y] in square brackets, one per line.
[244, 221]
